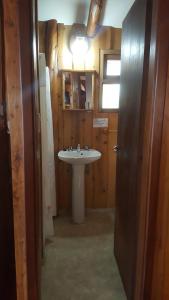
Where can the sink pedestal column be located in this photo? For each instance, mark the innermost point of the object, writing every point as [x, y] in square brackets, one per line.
[78, 194]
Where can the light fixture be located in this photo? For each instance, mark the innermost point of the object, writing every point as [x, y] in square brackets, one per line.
[78, 43]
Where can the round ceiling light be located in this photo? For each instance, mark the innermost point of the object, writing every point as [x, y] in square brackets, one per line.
[78, 42]
[79, 45]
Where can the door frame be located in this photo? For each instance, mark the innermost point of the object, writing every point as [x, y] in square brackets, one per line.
[27, 278]
[16, 131]
[20, 50]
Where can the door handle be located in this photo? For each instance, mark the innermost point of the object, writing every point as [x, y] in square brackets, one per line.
[116, 148]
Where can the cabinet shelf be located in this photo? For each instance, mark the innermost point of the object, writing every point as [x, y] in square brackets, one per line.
[78, 90]
[78, 71]
[78, 109]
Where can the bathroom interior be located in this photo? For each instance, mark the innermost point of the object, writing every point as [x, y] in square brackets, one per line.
[79, 71]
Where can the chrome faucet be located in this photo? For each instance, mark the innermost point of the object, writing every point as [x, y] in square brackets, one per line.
[78, 148]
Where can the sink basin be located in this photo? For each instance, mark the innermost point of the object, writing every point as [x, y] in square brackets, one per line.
[82, 157]
[78, 160]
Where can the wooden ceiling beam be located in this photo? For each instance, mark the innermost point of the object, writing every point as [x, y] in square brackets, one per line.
[94, 16]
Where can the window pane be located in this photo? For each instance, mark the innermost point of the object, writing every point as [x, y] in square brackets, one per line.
[111, 94]
[113, 67]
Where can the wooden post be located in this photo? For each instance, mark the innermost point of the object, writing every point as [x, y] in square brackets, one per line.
[94, 16]
[51, 43]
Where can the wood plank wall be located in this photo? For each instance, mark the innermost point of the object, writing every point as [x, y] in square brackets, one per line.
[72, 128]
[161, 255]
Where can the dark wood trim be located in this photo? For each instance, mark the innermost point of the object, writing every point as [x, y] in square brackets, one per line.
[160, 272]
[160, 31]
[152, 138]
[31, 116]
[130, 234]
[20, 21]
[16, 128]
[7, 249]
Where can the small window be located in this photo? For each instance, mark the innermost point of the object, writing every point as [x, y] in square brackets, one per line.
[110, 89]
[113, 67]
[110, 70]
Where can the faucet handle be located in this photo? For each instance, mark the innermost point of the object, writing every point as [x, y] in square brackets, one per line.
[78, 147]
[86, 147]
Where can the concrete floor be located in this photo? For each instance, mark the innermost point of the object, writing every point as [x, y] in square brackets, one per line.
[79, 263]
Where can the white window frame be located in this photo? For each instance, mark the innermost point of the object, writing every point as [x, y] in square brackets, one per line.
[107, 79]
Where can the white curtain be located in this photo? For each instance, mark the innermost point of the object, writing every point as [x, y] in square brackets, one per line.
[48, 162]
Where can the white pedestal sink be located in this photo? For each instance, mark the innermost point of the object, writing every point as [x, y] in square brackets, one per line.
[78, 160]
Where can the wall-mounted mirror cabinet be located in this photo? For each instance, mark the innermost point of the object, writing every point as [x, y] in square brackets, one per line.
[78, 90]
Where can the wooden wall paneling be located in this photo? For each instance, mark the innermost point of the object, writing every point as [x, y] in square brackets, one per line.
[15, 119]
[112, 141]
[116, 38]
[161, 257]
[102, 40]
[71, 128]
[100, 142]
[85, 124]
[63, 47]
[70, 132]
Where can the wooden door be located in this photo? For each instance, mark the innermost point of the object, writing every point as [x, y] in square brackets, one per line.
[7, 257]
[135, 53]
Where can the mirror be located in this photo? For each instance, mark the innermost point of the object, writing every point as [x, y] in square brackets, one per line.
[78, 89]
